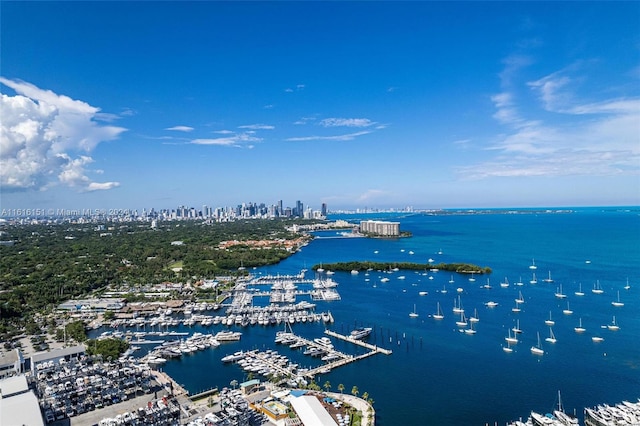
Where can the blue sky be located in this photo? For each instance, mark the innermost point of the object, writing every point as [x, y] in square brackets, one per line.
[355, 104]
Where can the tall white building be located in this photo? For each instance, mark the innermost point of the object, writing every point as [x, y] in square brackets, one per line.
[382, 228]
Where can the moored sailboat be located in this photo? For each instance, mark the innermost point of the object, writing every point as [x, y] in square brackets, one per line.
[413, 314]
[549, 321]
[597, 289]
[617, 303]
[552, 337]
[579, 328]
[438, 315]
[614, 325]
[579, 292]
[559, 294]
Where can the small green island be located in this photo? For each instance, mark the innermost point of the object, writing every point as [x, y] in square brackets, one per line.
[460, 268]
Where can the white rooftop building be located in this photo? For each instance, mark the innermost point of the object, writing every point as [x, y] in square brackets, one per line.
[311, 412]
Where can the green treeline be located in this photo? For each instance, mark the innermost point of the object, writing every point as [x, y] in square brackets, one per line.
[50, 263]
[462, 268]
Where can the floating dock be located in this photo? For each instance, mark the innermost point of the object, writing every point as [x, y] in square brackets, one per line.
[374, 348]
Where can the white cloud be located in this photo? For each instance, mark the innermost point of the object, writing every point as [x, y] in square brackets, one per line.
[180, 128]
[598, 138]
[347, 137]
[239, 141]
[257, 127]
[304, 120]
[346, 122]
[41, 134]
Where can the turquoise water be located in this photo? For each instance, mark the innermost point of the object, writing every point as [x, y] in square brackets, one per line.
[440, 376]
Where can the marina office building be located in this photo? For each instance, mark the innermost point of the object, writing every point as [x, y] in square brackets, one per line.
[382, 228]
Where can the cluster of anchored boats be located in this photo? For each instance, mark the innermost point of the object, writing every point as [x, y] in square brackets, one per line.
[623, 414]
[194, 343]
[69, 388]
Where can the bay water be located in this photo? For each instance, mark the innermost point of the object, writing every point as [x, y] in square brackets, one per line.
[438, 375]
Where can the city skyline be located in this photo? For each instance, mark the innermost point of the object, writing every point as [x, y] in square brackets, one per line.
[111, 105]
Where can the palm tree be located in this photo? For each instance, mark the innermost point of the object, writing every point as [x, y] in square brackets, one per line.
[365, 396]
[234, 383]
[341, 387]
[354, 391]
[327, 386]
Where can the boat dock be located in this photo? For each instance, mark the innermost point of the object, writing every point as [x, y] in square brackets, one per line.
[369, 346]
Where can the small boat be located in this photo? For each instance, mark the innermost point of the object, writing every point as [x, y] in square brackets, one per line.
[444, 289]
[627, 287]
[519, 283]
[438, 315]
[597, 339]
[579, 292]
[549, 322]
[463, 321]
[505, 283]
[613, 326]
[414, 314]
[491, 304]
[475, 317]
[472, 279]
[617, 303]
[548, 279]
[533, 280]
[508, 349]
[487, 285]
[552, 337]
[516, 308]
[567, 311]
[559, 294]
[511, 339]
[457, 308]
[517, 329]
[597, 289]
[451, 280]
[537, 350]
[470, 330]
[580, 328]
[520, 299]
[354, 272]
[533, 264]
[422, 293]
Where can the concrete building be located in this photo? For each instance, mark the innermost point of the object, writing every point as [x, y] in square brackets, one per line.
[56, 355]
[92, 305]
[11, 363]
[311, 412]
[18, 404]
[380, 228]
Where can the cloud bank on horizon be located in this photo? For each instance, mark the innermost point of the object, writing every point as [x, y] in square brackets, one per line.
[46, 140]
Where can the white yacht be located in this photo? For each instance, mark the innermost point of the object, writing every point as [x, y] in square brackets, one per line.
[360, 333]
[579, 328]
